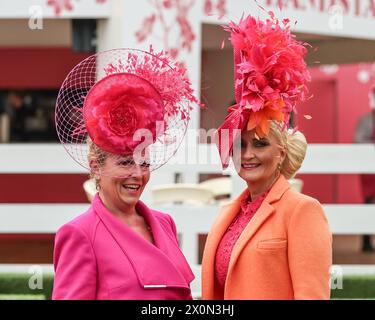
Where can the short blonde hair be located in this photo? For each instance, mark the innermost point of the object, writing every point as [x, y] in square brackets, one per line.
[97, 155]
[295, 145]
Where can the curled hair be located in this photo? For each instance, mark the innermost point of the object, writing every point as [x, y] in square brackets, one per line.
[295, 145]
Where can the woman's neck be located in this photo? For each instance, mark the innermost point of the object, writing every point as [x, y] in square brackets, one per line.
[124, 211]
[256, 189]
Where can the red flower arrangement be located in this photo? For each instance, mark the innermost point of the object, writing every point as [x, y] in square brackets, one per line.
[116, 107]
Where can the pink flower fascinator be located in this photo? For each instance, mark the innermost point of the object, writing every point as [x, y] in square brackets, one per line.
[124, 99]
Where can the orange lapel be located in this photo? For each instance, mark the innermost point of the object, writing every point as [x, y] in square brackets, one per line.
[221, 224]
[266, 209]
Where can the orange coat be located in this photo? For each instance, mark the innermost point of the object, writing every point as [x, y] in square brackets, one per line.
[285, 252]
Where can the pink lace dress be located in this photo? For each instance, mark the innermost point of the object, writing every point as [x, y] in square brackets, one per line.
[225, 248]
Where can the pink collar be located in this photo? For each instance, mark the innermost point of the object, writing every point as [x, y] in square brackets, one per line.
[151, 262]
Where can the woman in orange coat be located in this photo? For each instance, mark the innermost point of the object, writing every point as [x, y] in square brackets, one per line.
[271, 242]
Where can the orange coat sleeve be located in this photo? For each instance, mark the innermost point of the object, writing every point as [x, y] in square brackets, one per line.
[310, 251]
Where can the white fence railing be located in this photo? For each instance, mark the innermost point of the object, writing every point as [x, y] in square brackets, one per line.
[190, 161]
[190, 220]
[320, 158]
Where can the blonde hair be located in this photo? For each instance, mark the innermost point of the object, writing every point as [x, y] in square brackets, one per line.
[295, 145]
[97, 155]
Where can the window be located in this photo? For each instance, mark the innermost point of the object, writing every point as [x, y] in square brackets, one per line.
[27, 115]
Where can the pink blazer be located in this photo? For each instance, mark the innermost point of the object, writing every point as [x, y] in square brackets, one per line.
[98, 257]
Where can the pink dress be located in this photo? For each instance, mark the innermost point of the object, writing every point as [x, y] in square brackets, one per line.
[225, 248]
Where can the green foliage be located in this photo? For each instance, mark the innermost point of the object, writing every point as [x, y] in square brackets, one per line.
[17, 284]
[356, 287]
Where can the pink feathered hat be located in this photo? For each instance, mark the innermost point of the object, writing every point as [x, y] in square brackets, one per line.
[270, 78]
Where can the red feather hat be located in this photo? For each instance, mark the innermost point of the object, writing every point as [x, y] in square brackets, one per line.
[270, 78]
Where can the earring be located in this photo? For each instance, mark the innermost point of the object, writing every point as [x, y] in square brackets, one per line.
[97, 184]
[279, 167]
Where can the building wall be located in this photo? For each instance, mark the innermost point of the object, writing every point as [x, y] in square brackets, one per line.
[217, 91]
[36, 67]
[340, 99]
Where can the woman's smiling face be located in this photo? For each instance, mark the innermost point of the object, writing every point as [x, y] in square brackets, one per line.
[257, 160]
[123, 181]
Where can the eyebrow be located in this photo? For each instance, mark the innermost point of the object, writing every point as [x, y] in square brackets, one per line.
[125, 159]
[261, 140]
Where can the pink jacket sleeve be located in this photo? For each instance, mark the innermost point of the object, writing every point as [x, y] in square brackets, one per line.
[75, 265]
[310, 251]
[173, 226]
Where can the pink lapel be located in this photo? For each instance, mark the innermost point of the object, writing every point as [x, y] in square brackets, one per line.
[156, 266]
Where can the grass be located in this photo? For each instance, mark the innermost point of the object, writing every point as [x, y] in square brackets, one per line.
[22, 297]
[356, 287]
[16, 287]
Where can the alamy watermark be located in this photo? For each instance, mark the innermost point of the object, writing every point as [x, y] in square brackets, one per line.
[35, 18]
[36, 279]
[336, 17]
[337, 278]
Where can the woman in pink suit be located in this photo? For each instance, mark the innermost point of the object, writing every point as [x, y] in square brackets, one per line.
[120, 248]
